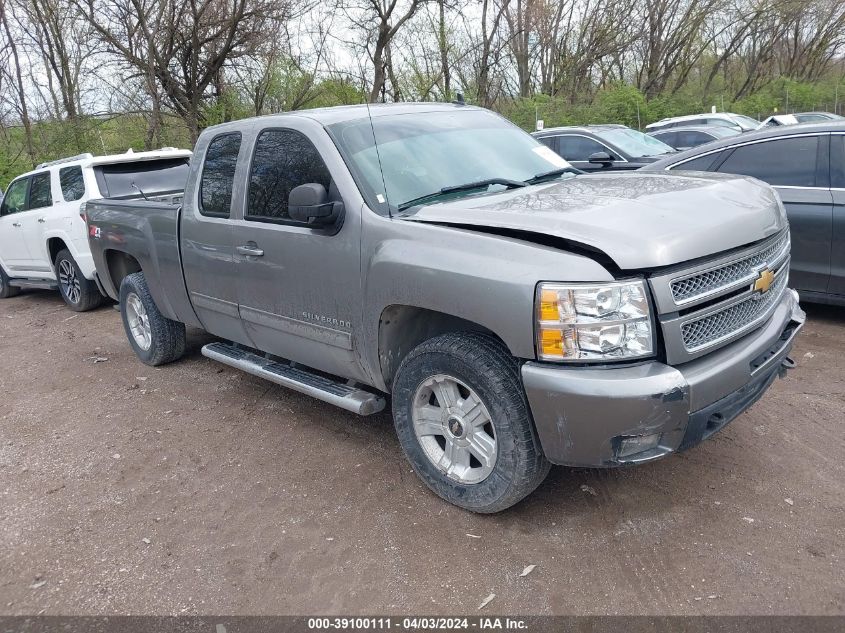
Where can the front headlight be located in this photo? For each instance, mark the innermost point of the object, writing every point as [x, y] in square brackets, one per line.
[593, 322]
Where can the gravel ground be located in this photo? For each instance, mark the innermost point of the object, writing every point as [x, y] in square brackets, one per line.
[196, 489]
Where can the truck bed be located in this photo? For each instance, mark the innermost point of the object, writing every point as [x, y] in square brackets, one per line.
[147, 231]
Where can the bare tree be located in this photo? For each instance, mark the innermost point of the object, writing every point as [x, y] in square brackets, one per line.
[184, 46]
[17, 75]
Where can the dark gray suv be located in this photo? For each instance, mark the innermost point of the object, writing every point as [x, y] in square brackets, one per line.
[806, 166]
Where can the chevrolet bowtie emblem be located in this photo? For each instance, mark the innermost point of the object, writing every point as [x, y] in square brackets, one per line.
[764, 281]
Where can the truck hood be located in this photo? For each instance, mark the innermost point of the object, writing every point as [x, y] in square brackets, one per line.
[639, 220]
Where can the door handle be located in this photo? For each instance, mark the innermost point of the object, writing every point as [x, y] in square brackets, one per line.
[251, 250]
[16, 224]
[42, 220]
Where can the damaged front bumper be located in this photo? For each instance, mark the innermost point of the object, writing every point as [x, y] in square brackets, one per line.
[610, 416]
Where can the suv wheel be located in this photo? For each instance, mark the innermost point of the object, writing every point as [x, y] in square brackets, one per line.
[80, 294]
[463, 422]
[6, 290]
[155, 338]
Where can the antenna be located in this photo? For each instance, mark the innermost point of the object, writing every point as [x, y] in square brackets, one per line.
[459, 99]
[378, 157]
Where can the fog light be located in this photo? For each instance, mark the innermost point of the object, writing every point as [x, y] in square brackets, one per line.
[637, 444]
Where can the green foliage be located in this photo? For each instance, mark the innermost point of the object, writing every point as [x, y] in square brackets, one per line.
[615, 104]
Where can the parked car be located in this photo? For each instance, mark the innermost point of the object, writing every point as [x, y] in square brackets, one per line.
[816, 117]
[43, 243]
[806, 166]
[681, 138]
[517, 314]
[739, 122]
[594, 148]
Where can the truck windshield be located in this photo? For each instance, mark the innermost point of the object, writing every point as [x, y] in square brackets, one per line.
[421, 155]
[153, 177]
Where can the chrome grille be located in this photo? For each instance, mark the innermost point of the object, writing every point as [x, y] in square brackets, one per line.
[710, 329]
[687, 289]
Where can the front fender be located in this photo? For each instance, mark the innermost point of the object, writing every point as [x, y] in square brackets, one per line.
[488, 280]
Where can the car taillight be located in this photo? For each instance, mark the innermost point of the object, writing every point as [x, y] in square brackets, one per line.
[82, 212]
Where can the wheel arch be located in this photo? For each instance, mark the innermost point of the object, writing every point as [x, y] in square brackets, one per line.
[119, 264]
[55, 245]
[402, 327]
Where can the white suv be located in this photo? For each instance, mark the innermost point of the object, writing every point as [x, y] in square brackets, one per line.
[739, 122]
[43, 240]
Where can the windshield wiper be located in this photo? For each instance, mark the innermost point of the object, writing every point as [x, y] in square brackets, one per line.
[548, 175]
[469, 186]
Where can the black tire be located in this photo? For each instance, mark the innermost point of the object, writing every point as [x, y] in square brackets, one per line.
[6, 290]
[86, 296]
[167, 337]
[484, 365]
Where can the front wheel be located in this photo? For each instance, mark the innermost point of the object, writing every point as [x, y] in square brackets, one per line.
[80, 294]
[464, 424]
[155, 338]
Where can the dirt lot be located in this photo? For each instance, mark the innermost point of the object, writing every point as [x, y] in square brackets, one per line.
[194, 488]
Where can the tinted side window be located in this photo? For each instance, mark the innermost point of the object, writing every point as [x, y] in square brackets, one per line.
[218, 175]
[15, 199]
[73, 187]
[283, 159]
[579, 147]
[40, 194]
[702, 163]
[691, 138]
[788, 161]
[670, 138]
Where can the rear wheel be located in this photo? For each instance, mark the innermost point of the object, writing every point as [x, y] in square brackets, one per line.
[80, 294]
[155, 338]
[463, 422]
[6, 290]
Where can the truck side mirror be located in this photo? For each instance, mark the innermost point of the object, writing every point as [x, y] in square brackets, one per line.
[601, 158]
[310, 203]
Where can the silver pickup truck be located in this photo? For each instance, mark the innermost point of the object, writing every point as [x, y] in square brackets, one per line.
[514, 313]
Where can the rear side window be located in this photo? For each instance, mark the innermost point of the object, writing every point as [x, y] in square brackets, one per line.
[218, 175]
[73, 186]
[152, 177]
[579, 147]
[40, 193]
[15, 198]
[283, 159]
[787, 161]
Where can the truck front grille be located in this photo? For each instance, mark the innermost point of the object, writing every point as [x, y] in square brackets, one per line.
[708, 304]
[688, 289]
[714, 327]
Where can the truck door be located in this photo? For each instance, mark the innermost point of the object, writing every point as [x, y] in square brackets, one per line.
[299, 285]
[206, 238]
[14, 221]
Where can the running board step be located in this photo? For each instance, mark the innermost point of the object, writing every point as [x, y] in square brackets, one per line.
[337, 393]
[40, 284]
